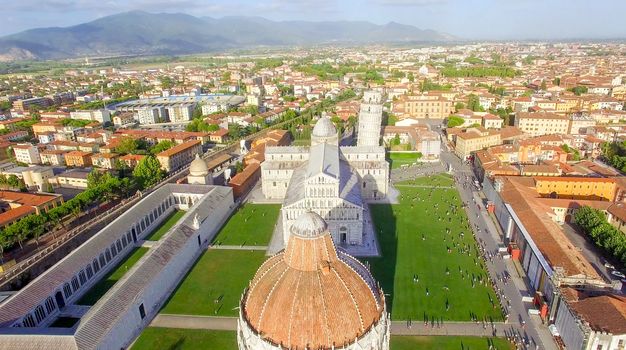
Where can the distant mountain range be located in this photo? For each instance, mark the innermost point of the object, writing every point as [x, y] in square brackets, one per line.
[142, 33]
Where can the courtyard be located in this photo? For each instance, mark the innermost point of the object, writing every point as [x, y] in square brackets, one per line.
[251, 224]
[102, 286]
[430, 265]
[167, 224]
[215, 283]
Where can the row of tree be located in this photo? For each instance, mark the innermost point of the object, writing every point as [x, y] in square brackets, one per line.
[614, 153]
[482, 71]
[594, 224]
[101, 187]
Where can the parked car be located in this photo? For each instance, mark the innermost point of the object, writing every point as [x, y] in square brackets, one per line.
[608, 265]
[618, 274]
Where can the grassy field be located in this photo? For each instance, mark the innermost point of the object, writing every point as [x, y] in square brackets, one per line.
[301, 142]
[214, 285]
[170, 221]
[98, 290]
[430, 274]
[182, 339]
[399, 159]
[251, 224]
[185, 339]
[448, 343]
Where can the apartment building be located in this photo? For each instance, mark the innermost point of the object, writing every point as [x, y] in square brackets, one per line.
[423, 107]
[542, 123]
[27, 153]
[475, 139]
[104, 160]
[78, 159]
[99, 115]
[26, 104]
[577, 187]
[179, 155]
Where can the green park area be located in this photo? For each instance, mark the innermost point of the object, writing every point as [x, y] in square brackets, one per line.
[100, 288]
[182, 339]
[167, 224]
[185, 339]
[214, 285]
[399, 159]
[428, 272]
[251, 224]
[448, 343]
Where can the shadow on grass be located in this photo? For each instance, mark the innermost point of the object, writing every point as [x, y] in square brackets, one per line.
[384, 268]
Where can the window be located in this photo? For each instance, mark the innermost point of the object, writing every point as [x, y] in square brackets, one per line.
[40, 315]
[67, 291]
[96, 266]
[50, 305]
[89, 271]
[82, 277]
[29, 321]
[142, 311]
[75, 284]
[113, 251]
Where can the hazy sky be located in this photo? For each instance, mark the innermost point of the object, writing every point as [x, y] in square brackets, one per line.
[469, 19]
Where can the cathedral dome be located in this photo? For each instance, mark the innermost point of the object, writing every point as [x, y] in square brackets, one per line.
[198, 167]
[311, 296]
[309, 225]
[324, 128]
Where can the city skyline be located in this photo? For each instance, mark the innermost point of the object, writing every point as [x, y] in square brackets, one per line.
[478, 20]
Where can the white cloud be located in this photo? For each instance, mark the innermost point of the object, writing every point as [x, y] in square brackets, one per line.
[410, 3]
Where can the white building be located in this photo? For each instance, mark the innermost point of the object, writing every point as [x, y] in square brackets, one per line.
[99, 115]
[180, 113]
[149, 115]
[125, 309]
[329, 180]
[27, 153]
[211, 108]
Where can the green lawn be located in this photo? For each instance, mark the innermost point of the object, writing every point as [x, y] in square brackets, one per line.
[448, 343]
[214, 285]
[153, 338]
[251, 224]
[301, 142]
[399, 159]
[182, 339]
[98, 290]
[167, 224]
[414, 242]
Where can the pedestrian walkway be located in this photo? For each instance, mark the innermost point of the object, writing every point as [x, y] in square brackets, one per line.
[239, 247]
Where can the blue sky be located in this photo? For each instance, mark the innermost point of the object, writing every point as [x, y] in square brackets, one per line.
[468, 19]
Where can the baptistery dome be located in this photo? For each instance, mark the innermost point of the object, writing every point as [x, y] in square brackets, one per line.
[313, 296]
[198, 167]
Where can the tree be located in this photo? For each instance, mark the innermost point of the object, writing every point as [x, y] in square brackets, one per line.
[459, 106]
[234, 131]
[473, 103]
[557, 81]
[162, 146]
[239, 167]
[148, 172]
[197, 112]
[396, 140]
[543, 85]
[13, 181]
[127, 145]
[10, 153]
[454, 121]
[96, 178]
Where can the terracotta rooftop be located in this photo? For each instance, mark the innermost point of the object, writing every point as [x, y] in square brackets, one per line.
[606, 313]
[179, 148]
[311, 296]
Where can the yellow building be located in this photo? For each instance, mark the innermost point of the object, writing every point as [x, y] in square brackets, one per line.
[475, 139]
[424, 107]
[542, 123]
[576, 187]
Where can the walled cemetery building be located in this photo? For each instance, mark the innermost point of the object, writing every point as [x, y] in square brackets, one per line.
[129, 306]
